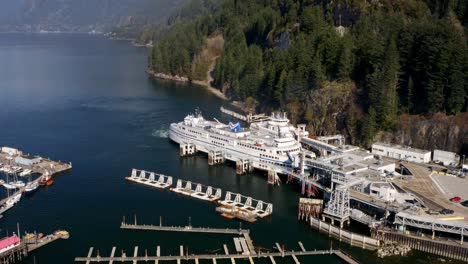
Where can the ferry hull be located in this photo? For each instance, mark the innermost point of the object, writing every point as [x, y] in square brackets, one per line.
[203, 145]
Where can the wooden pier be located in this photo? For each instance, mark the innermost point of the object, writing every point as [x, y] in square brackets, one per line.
[243, 245]
[44, 241]
[189, 229]
[14, 255]
[20, 252]
[213, 257]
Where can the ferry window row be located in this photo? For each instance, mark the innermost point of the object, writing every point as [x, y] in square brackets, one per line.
[287, 151]
[218, 138]
[195, 132]
[277, 164]
[217, 143]
[268, 156]
[252, 147]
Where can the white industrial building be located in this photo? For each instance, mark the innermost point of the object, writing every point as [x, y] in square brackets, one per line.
[27, 160]
[383, 191]
[446, 157]
[401, 152]
[10, 151]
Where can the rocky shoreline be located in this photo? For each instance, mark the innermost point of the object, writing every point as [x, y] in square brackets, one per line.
[184, 79]
[393, 249]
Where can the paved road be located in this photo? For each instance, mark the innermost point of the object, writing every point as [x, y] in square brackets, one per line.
[424, 186]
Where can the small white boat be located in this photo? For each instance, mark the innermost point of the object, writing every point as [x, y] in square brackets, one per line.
[25, 173]
[31, 187]
[18, 184]
[9, 186]
[5, 208]
[13, 199]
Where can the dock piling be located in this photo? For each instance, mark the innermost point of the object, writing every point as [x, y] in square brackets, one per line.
[295, 259]
[90, 252]
[272, 260]
[279, 249]
[135, 254]
[301, 246]
[112, 255]
[158, 253]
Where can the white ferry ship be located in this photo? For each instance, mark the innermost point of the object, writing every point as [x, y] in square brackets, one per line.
[268, 145]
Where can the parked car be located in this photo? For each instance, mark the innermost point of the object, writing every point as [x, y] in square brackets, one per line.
[456, 199]
[447, 211]
[464, 203]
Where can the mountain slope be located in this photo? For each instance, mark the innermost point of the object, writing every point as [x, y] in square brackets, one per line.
[81, 15]
[388, 57]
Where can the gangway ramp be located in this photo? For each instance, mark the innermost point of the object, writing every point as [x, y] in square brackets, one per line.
[319, 145]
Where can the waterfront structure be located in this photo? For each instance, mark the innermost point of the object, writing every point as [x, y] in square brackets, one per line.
[445, 157]
[12, 161]
[13, 249]
[401, 152]
[27, 160]
[11, 151]
[357, 176]
[234, 205]
[268, 145]
[243, 244]
[9, 243]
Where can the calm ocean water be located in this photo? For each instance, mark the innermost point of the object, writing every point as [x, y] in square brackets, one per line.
[87, 100]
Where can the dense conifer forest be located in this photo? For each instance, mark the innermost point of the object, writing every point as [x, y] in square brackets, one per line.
[345, 66]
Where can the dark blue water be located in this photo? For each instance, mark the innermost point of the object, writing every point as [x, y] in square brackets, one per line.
[87, 100]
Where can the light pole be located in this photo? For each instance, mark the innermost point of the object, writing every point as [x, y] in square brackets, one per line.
[463, 163]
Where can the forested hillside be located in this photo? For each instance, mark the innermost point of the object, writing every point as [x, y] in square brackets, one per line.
[83, 15]
[345, 66]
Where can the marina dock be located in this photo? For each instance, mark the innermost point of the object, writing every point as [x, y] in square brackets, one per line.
[189, 229]
[46, 168]
[47, 239]
[234, 205]
[200, 192]
[244, 207]
[25, 247]
[243, 245]
[140, 176]
[215, 257]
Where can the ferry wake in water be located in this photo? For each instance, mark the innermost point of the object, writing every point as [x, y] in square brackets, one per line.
[160, 133]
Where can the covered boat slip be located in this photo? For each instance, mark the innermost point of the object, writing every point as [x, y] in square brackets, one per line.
[201, 191]
[149, 178]
[241, 207]
[257, 207]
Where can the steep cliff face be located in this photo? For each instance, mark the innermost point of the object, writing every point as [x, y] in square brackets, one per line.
[439, 131]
